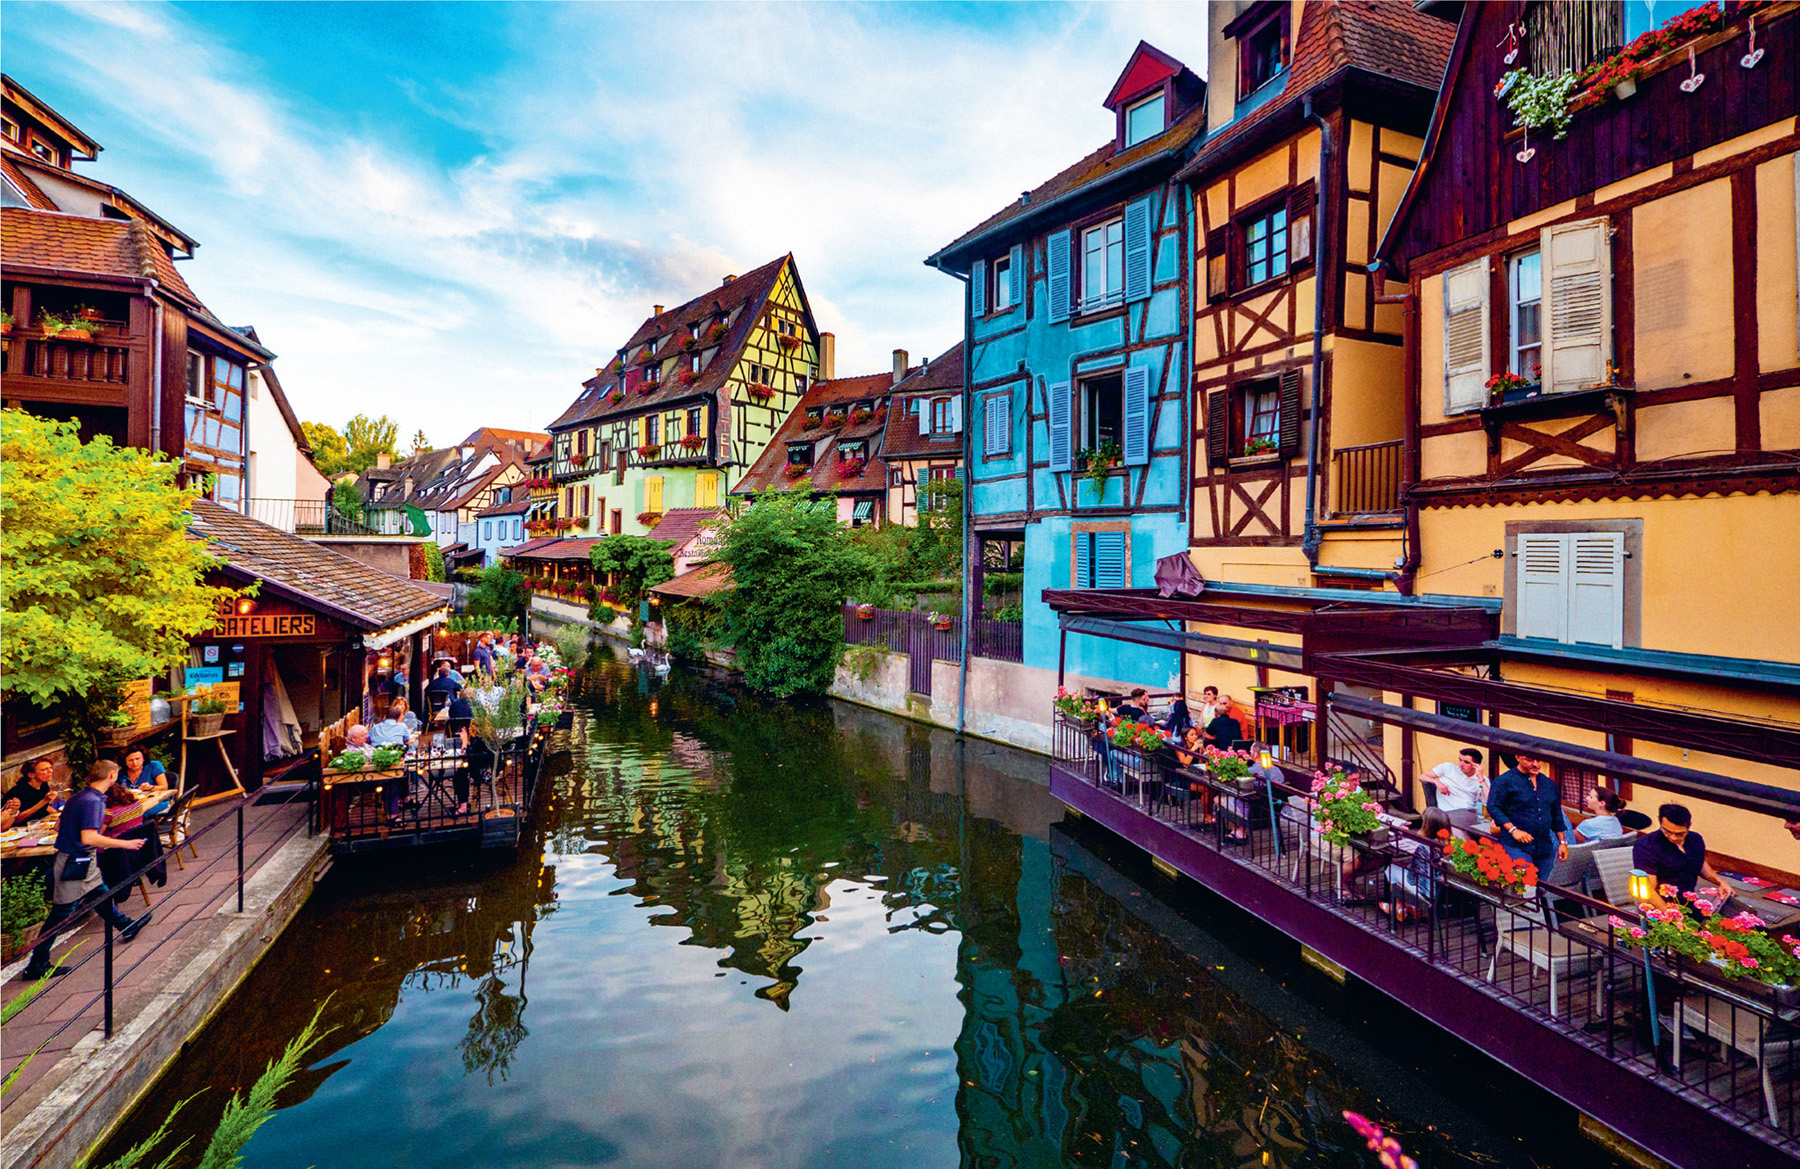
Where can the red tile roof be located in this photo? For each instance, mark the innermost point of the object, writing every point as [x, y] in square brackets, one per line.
[553, 548]
[18, 178]
[330, 581]
[902, 437]
[1387, 37]
[682, 524]
[50, 240]
[769, 472]
[516, 507]
[702, 581]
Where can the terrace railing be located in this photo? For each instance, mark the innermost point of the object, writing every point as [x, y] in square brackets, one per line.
[903, 631]
[1557, 957]
[307, 517]
[1368, 478]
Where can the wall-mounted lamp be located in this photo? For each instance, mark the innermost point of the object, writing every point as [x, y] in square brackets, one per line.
[384, 662]
[245, 606]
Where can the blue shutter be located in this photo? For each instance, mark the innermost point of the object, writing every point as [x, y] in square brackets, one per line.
[1062, 454]
[1084, 561]
[1109, 560]
[978, 289]
[1137, 250]
[1056, 266]
[1137, 416]
[1016, 269]
[996, 417]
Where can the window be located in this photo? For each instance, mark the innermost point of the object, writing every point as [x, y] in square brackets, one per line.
[787, 328]
[1102, 411]
[800, 454]
[940, 416]
[932, 498]
[862, 512]
[1571, 586]
[1525, 294]
[518, 529]
[487, 529]
[586, 500]
[996, 425]
[45, 151]
[10, 128]
[1262, 416]
[694, 363]
[847, 451]
[1103, 265]
[800, 383]
[652, 430]
[618, 521]
[1003, 283]
[1265, 246]
[1261, 53]
[693, 420]
[1144, 120]
[1101, 556]
[196, 377]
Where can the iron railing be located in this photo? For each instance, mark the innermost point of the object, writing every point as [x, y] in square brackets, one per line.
[307, 517]
[1368, 478]
[1556, 956]
[903, 631]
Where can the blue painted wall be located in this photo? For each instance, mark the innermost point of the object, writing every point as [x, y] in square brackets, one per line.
[1022, 354]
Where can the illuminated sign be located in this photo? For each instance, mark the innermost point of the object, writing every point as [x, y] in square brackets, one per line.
[233, 625]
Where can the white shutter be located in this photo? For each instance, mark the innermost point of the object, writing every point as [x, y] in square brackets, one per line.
[1577, 260]
[1543, 586]
[1466, 337]
[956, 411]
[1597, 588]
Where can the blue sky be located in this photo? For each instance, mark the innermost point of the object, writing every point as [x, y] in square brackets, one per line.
[453, 213]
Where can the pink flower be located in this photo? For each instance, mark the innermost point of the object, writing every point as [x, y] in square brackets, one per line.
[1666, 891]
[1371, 807]
[1364, 1127]
[1638, 933]
[1750, 963]
[1689, 896]
[1704, 906]
[1617, 922]
[1746, 921]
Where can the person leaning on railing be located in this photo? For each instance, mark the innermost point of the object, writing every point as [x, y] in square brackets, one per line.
[75, 877]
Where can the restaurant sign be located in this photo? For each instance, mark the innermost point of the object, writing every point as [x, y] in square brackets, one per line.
[239, 619]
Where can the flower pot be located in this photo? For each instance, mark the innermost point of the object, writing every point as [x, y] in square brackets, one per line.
[1625, 89]
[115, 736]
[944, 625]
[14, 944]
[5, 330]
[866, 614]
[74, 335]
[201, 725]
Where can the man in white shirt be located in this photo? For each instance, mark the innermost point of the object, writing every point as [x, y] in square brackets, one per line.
[1460, 784]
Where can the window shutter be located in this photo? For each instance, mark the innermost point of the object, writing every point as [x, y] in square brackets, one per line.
[653, 494]
[956, 415]
[1543, 586]
[1597, 588]
[1300, 207]
[1137, 416]
[996, 419]
[978, 289]
[1218, 427]
[1577, 304]
[1062, 454]
[1218, 263]
[1056, 265]
[1109, 560]
[1084, 560]
[1289, 439]
[1137, 250]
[1016, 274]
[1465, 337]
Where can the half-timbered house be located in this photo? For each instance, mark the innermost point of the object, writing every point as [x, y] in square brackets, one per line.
[831, 443]
[1076, 321]
[692, 399]
[1603, 394]
[921, 442]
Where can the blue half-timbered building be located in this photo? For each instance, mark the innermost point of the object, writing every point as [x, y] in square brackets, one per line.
[1076, 400]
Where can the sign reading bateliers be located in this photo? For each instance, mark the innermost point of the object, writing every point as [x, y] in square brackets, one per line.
[230, 625]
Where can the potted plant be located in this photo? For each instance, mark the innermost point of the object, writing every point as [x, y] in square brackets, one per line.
[87, 312]
[1230, 769]
[1537, 102]
[814, 419]
[798, 470]
[1076, 708]
[1483, 862]
[760, 391]
[615, 396]
[686, 377]
[941, 620]
[117, 731]
[861, 415]
[1344, 810]
[1258, 445]
[1098, 463]
[23, 908]
[851, 468]
[649, 450]
[649, 518]
[690, 343]
[693, 442]
[206, 717]
[834, 419]
[715, 332]
[6, 324]
[789, 340]
[1507, 387]
[866, 611]
[648, 386]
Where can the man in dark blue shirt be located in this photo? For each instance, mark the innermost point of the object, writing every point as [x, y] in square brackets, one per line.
[1675, 855]
[1526, 805]
[76, 872]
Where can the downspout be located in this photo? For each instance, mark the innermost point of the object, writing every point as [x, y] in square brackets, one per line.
[968, 566]
[1309, 540]
[156, 367]
[1408, 564]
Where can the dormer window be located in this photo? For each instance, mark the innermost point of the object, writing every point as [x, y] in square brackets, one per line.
[1262, 49]
[800, 454]
[1145, 120]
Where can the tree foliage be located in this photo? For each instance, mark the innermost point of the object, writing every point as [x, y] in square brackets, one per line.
[348, 501]
[356, 449]
[327, 445]
[421, 444]
[903, 559]
[102, 583]
[640, 562]
[500, 592]
[792, 565]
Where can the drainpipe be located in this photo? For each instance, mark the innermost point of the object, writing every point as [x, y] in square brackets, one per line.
[1309, 540]
[156, 367]
[968, 566]
[1409, 446]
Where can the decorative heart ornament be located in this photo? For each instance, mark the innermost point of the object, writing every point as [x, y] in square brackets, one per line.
[1693, 83]
[1527, 154]
[1749, 60]
[1511, 57]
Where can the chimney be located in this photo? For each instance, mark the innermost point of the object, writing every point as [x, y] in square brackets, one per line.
[1024, 198]
[599, 373]
[899, 365]
[383, 460]
[729, 279]
[827, 356]
[656, 310]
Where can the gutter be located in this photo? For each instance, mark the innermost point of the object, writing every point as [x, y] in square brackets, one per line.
[1310, 538]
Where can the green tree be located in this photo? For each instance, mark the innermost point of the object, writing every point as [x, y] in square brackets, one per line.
[102, 583]
[421, 444]
[348, 501]
[330, 455]
[500, 592]
[792, 565]
[639, 562]
[368, 437]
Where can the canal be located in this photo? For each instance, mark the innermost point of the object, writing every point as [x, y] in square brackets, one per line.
[745, 933]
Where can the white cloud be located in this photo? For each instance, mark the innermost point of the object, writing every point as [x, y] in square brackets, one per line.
[630, 155]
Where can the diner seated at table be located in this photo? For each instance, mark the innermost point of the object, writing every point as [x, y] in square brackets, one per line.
[1180, 721]
[393, 730]
[1413, 880]
[1137, 706]
[1224, 731]
[137, 770]
[35, 789]
[9, 811]
[1603, 806]
[1459, 784]
[537, 674]
[1675, 855]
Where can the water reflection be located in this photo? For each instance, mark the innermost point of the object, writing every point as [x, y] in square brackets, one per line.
[876, 945]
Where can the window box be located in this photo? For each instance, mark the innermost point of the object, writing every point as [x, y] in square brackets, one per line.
[759, 391]
[1511, 395]
[649, 450]
[692, 442]
[1260, 459]
[788, 341]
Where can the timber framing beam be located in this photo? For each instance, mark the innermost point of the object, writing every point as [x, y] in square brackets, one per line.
[1755, 742]
[1722, 789]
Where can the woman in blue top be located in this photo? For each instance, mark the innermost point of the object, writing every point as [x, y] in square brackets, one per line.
[140, 771]
[1602, 823]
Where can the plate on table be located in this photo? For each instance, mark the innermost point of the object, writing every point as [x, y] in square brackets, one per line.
[12, 836]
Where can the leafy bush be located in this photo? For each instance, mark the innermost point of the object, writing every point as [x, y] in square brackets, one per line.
[572, 645]
[501, 592]
[636, 563]
[22, 902]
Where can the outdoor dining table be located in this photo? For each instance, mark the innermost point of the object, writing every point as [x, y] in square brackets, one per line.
[1774, 914]
[43, 837]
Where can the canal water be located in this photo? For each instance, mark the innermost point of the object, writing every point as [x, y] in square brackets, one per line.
[747, 933]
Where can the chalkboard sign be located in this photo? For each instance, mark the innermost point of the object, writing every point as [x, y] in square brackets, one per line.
[1468, 714]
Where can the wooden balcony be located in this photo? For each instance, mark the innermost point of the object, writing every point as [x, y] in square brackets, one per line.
[1368, 478]
[99, 371]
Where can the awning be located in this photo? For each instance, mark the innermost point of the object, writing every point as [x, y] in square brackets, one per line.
[382, 638]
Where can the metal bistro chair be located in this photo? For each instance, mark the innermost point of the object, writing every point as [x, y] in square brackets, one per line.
[174, 828]
[1744, 1030]
[1540, 943]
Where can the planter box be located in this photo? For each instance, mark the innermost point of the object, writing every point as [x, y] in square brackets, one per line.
[117, 736]
[1782, 999]
[201, 725]
[1493, 894]
[12, 945]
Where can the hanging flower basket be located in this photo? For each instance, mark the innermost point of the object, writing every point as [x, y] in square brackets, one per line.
[789, 341]
[866, 612]
[942, 620]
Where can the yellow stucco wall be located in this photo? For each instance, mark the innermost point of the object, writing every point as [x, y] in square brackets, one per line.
[1681, 258]
[1778, 343]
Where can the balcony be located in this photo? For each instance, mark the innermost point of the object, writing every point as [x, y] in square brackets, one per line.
[73, 368]
[1368, 478]
[309, 517]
